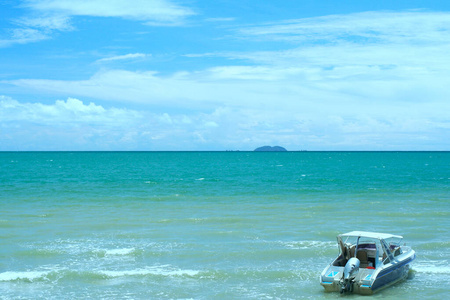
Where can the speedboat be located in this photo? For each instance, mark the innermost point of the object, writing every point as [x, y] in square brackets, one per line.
[367, 262]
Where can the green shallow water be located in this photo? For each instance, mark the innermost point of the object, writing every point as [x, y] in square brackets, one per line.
[212, 225]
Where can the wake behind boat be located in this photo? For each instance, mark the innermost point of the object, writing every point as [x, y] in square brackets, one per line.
[367, 262]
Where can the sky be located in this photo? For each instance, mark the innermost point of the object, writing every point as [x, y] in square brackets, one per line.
[200, 75]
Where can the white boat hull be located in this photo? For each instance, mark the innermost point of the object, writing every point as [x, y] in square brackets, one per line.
[368, 279]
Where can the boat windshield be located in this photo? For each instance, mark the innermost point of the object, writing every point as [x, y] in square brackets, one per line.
[363, 242]
[370, 248]
[393, 242]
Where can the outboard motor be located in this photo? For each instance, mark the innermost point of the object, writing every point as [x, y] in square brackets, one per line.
[351, 269]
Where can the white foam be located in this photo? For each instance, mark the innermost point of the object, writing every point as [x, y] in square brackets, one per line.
[200, 179]
[159, 271]
[431, 269]
[82, 247]
[27, 275]
[308, 244]
[123, 251]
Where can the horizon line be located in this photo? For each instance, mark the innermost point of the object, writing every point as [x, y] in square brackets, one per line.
[223, 151]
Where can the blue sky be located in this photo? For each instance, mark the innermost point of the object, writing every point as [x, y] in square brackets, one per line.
[224, 75]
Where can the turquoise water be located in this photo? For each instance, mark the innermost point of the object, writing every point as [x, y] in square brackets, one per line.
[213, 225]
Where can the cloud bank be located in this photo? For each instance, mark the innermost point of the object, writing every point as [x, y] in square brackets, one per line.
[366, 81]
[73, 125]
[369, 57]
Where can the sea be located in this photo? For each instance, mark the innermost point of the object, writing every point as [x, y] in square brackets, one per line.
[213, 225]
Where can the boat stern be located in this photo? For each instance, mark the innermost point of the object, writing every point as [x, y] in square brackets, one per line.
[364, 284]
[330, 278]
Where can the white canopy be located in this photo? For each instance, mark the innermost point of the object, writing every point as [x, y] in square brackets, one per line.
[373, 235]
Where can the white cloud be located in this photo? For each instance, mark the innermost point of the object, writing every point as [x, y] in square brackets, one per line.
[49, 16]
[67, 113]
[24, 36]
[235, 86]
[46, 23]
[308, 88]
[364, 27]
[161, 11]
[220, 19]
[64, 125]
[129, 56]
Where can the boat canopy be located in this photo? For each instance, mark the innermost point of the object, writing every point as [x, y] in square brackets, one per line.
[372, 235]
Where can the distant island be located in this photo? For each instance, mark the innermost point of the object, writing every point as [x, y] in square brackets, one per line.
[270, 149]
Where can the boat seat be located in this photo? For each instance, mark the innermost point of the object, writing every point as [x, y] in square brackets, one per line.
[363, 259]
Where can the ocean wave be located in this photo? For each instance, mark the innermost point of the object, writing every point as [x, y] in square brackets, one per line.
[309, 245]
[431, 268]
[25, 275]
[57, 274]
[157, 271]
[119, 251]
[86, 248]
